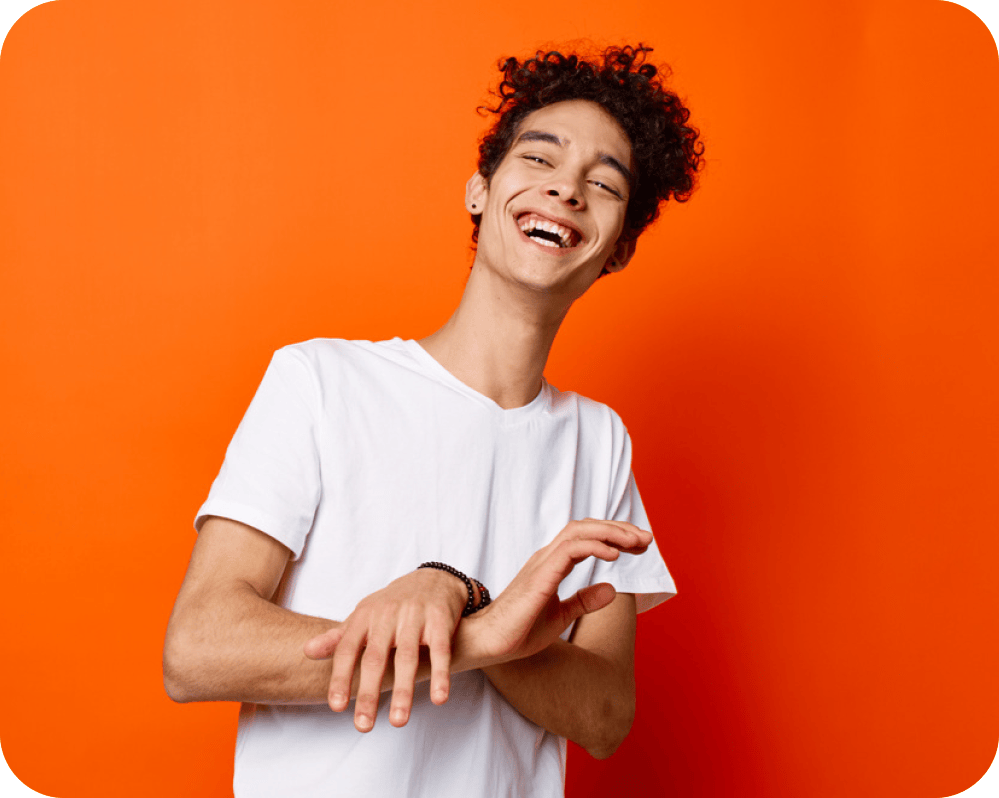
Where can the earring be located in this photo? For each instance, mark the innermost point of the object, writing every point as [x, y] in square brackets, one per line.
[474, 205]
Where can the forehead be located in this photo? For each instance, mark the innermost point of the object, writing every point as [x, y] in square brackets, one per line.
[580, 124]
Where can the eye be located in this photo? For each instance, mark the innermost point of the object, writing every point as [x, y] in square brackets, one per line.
[608, 188]
[536, 159]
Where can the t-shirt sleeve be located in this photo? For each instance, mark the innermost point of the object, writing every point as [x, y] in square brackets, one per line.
[270, 477]
[645, 574]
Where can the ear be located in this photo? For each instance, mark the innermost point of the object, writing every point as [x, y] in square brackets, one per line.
[624, 250]
[476, 192]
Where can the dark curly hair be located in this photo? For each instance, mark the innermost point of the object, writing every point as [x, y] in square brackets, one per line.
[665, 149]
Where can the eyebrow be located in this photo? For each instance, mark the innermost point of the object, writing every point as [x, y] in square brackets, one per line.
[551, 138]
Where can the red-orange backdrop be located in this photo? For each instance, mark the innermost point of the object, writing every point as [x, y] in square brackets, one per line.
[805, 355]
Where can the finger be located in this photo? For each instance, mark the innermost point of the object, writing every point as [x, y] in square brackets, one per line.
[642, 537]
[546, 577]
[342, 675]
[571, 552]
[322, 646]
[407, 659]
[369, 689]
[620, 534]
[589, 599]
[438, 637]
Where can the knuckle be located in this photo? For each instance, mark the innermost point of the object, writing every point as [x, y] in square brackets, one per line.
[442, 615]
[366, 703]
[407, 658]
[342, 660]
[374, 657]
[402, 697]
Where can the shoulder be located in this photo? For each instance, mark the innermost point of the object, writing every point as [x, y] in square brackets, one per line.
[325, 357]
[598, 423]
[317, 351]
[343, 377]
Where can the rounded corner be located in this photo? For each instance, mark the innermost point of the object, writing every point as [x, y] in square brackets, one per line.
[11, 13]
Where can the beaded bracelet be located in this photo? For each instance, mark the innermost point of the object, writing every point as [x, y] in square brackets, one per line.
[470, 605]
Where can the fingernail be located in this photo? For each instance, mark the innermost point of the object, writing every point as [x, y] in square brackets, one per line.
[440, 695]
[364, 722]
[398, 715]
[338, 701]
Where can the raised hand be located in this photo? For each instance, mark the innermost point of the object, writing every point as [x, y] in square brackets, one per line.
[528, 616]
[421, 608]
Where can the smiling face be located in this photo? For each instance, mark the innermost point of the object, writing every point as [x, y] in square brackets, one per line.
[553, 212]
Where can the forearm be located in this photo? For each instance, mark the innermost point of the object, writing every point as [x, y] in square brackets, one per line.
[234, 645]
[572, 692]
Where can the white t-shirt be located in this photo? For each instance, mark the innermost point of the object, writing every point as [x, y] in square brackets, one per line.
[366, 459]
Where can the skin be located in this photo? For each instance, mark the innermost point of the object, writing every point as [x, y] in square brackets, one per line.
[518, 292]
[227, 640]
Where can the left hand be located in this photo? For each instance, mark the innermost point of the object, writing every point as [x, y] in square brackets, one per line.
[529, 616]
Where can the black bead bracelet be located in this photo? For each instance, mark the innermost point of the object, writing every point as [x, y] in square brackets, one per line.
[470, 605]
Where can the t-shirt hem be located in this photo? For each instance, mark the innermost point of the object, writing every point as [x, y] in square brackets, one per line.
[647, 594]
[251, 516]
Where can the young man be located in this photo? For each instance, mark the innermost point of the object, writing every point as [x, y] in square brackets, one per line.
[358, 461]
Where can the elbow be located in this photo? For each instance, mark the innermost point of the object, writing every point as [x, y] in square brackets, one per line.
[179, 670]
[613, 731]
[608, 745]
[178, 689]
[175, 689]
[176, 685]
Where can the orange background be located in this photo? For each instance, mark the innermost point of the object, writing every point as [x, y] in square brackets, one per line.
[805, 355]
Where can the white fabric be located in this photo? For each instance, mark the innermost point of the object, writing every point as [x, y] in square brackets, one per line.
[366, 459]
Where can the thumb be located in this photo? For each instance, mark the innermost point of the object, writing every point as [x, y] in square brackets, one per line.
[589, 599]
[322, 646]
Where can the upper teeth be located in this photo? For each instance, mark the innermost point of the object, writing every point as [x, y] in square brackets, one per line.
[543, 224]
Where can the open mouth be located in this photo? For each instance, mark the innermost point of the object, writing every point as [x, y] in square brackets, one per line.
[548, 233]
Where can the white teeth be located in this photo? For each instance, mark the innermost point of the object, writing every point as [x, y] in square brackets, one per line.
[551, 227]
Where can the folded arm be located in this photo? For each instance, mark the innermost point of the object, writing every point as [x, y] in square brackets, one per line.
[583, 690]
[227, 640]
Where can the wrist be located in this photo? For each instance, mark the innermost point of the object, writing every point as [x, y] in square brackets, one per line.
[472, 648]
[476, 594]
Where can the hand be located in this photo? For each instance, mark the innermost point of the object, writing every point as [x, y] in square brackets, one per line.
[528, 616]
[420, 608]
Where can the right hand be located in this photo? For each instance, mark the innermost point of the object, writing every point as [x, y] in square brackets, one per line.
[421, 608]
[529, 616]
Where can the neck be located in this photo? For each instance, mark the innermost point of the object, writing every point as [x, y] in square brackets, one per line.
[497, 341]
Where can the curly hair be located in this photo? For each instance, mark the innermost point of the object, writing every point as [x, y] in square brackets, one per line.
[665, 149]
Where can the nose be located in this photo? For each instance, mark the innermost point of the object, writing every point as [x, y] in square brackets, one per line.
[566, 189]
[566, 197]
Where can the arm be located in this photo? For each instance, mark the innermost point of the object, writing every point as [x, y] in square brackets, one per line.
[584, 689]
[227, 641]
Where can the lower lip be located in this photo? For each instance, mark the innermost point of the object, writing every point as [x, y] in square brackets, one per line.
[557, 252]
